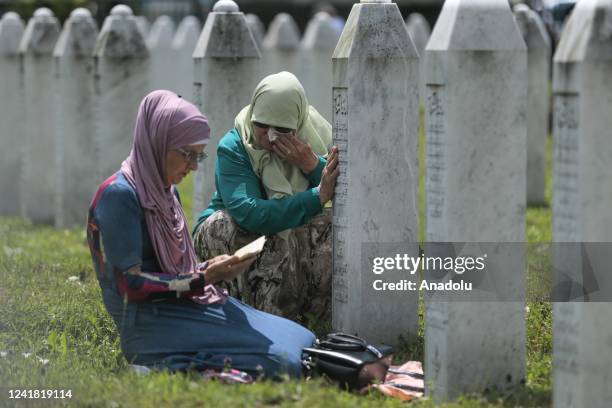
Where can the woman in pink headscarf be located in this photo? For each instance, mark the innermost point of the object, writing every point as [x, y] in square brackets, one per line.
[168, 312]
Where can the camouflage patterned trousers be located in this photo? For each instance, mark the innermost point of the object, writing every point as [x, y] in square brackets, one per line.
[291, 277]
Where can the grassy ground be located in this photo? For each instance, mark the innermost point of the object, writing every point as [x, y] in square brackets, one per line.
[56, 334]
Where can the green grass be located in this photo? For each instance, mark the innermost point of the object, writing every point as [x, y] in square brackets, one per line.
[51, 308]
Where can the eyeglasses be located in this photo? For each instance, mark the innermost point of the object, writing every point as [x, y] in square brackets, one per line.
[278, 129]
[192, 156]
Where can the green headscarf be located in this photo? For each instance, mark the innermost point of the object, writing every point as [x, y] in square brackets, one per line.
[279, 100]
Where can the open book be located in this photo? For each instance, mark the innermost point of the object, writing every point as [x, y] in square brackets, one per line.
[251, 249]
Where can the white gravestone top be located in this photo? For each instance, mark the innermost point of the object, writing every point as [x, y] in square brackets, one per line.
[121, 10]
[577, 43]
[120, 36]
[380, 44]
[78, 38]
[419, 30]
[531, 27]
[40, 34]
[11, 16]
[321, 34]
[226, 6]
[460, 27]
[283, 34]
[161, 34]
[43, 12]
[143, 25]
[11, 30]
[80, 12]
[257, 28]
[188, 28]
[226, 35]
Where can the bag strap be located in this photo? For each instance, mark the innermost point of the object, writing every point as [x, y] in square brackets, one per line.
[343, 341]
[347, 342]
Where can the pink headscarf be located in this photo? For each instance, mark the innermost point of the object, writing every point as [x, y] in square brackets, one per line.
[165, 121]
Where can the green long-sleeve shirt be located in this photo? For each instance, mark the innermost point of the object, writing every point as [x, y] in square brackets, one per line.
[241, 192]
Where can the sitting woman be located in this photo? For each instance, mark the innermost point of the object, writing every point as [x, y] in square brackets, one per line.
[168, 312]
[272, 177]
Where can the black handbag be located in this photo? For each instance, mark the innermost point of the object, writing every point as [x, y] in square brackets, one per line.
[348, 360]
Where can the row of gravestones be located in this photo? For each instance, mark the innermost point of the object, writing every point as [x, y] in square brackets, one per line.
[479, 98]
[478, 120]
[68, 144]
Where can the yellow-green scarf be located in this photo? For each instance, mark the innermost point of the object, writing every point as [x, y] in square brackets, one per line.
[279, 100]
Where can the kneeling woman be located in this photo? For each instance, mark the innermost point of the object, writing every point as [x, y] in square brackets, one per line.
[275, 171]
[168, 312]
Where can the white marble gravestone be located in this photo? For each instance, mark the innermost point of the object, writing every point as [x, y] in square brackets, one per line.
[143, 25]
[75, 148]
[375, 126]
[121, 81]
[37, 164]
[183, 44]
[419, 31]
[225, 54]
[281, 46]
[582, 332]
[582, 369]
[315, 70]
[258, 30]
[163, 66]
[476, 90]
[538, 101]
[11, 114]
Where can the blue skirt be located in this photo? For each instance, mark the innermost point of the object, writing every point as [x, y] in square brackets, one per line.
[180, 334]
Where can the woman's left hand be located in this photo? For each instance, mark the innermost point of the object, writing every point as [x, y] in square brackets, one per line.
[225, 268]
[290, 148]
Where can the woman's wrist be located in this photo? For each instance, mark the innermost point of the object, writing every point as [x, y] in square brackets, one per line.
[310, 165]
[208, 276]
[322, 198]
[202, 279]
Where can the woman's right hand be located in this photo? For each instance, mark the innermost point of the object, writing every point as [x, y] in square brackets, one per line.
[225, 268]
[329, 176]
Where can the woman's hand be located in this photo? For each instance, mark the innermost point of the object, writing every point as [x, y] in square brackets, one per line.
[225, 268]
[290, 148]
[329, 176]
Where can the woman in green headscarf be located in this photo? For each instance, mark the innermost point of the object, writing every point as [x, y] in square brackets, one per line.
[275, 171]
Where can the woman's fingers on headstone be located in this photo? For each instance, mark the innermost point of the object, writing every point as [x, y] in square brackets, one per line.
[334, 153]
[332, 163]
